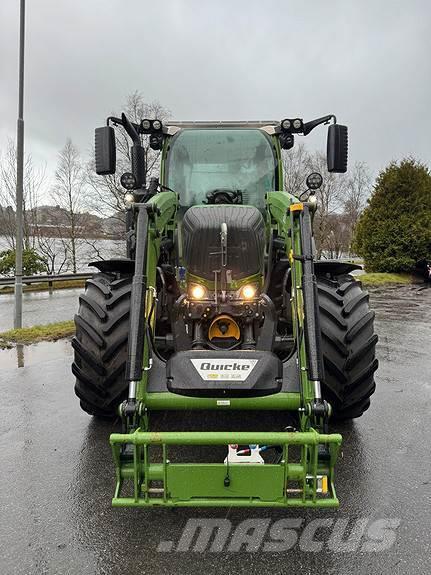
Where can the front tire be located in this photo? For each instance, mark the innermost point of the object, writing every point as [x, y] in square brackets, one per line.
[348, 345]
[100, 343]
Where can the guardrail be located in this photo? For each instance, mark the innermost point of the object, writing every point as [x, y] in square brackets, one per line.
[50, 279]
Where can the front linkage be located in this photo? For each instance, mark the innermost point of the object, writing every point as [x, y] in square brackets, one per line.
[308, 483]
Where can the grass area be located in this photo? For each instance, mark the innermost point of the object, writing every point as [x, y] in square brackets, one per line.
[44, 286]
[382, 279]
[26, 335]
[360, 262]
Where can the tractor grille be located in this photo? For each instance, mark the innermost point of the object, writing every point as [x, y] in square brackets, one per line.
[245, 240]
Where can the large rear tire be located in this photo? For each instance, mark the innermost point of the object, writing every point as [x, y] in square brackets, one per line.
[100, 343]
[348, 345]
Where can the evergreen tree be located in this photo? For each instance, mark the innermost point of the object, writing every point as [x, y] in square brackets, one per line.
[394, 230]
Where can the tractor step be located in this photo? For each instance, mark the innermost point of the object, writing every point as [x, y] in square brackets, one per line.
[300, 479]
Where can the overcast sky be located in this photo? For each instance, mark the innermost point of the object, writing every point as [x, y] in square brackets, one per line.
[367, 61]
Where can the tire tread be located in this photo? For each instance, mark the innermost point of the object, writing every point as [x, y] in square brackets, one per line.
[348, 345]
[100, 343]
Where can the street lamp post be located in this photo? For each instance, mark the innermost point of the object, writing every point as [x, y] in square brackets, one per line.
[19, 175]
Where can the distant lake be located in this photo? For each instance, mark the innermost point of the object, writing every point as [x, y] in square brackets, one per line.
[87, 250]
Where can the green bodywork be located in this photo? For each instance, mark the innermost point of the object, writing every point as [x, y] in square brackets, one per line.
[292, 482]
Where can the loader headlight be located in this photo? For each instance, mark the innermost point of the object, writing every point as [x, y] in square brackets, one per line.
[314, 181]
[248, 291]
[128, 181]
[129, 198]
[197, 291]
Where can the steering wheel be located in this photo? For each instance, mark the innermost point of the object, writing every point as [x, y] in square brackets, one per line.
[224, 196]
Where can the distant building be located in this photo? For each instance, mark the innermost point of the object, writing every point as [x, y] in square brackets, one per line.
[54, 221]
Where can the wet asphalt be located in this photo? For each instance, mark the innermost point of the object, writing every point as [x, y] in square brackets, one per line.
[57, 475]
[40, 307]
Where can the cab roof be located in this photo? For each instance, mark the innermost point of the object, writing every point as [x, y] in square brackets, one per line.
[268, 126]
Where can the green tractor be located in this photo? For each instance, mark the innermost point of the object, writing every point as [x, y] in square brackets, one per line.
[221, 316]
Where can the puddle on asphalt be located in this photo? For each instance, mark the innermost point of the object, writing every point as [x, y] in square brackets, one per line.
[410, 301]
[25, 355]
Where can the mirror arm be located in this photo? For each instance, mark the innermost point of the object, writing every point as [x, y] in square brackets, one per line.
[114, 120]
[308, 126]
[120, 122]
[130, 129]
[137, 152]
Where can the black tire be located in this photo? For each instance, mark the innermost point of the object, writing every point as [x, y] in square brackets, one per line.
[348, 345]
[100, 343]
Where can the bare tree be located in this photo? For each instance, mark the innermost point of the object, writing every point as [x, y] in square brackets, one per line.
[298, 163]
[54, 252]
[107, 197]
[296, 167]
[357, 190]
[330, 201]
[51, 244]
[338, 236]
[33, 181]
[331, 228]
[69, 194]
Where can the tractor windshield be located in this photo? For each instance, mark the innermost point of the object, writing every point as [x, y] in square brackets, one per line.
[203, 160]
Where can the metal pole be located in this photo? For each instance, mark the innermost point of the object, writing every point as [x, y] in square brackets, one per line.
[19, 175]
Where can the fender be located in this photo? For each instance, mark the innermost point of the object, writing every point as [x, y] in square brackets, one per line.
[334, 267]
[121, 265]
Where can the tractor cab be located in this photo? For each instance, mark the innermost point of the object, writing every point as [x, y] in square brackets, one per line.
[222, 164]
[221, 174]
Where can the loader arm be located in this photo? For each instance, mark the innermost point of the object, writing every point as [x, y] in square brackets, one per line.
[294, 227]
[152, 219]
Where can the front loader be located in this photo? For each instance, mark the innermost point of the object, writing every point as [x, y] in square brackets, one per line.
[220, 341]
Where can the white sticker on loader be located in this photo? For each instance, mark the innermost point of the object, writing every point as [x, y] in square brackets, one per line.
[224, 369]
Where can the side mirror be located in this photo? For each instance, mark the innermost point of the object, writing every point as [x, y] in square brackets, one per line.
[337, 149]
[105, 150]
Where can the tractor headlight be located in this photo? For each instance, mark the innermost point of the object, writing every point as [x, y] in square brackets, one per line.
[146, 124]
[297, 123]
[197, 291]
[248, 292]
[285, 124]
[157, 125]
